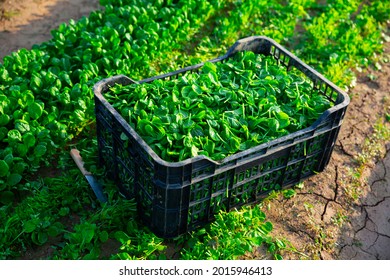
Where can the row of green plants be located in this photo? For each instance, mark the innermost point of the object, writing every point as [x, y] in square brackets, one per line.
[46, 106]
[46, 93]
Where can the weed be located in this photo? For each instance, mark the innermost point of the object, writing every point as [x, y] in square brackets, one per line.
[339, 219]
[139, 244]
[8, 14]
[354, 189]
[232, 235]
[308, 207]
[373, 145]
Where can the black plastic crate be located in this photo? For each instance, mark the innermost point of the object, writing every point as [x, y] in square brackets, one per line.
[174, 198]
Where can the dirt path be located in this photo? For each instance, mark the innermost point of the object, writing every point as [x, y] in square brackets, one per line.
[342, 213]
[367, 234]
[370, 234]
[24, 23]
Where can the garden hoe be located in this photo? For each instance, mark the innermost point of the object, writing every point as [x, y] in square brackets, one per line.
[96, 187]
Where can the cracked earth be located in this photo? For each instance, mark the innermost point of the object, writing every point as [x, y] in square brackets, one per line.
[344, 212]
[341, 213]
[370, 234]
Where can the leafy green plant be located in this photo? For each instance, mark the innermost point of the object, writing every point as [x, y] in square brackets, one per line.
[38, 218]
[81, 242]
[226, 108]
[45, 93]
[42, 228]
[139, 244]
[232, 235]
[86, 238]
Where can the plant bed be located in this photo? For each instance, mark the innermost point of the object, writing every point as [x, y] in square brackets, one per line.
[175, 197]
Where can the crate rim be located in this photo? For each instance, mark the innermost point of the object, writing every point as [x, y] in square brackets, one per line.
[104, 84]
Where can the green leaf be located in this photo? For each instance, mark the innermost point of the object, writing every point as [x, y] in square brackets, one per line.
[22, 150]
[280, 244]
[267, 227]
[289, 193]
[29, 139]
[35, 109]
[234, 144]
[4, 75]
[30, 225]
[43, 133]
[272, 248]
[43, 237]
[50, 117]
[22, 126]
[3, 185]
[4, 119]
[19, 167]
[63, 211]
[149, 130]
[103, 236]
[194, 151]
[9, 158]
[283, 119]
[40, 150]
[258, 240]
[88, 232]
[3, 132]
[93, 254]
[196, 89]
[213, 78]
[124, 137]
[209, 67]
[18, 114]
[7, 197]
[65, 77]
[213, 134]
[124, 256]
[55, 229]
[273, 125]
[65, 62]
[36, 81]
[209, 147]
[122, 237]
[14, 135]
[278, 257]
[79, 114]
[14, 179]
[4, 168]
[200, 115]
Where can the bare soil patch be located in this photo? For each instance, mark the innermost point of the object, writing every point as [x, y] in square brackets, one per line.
[24, 23]
[343, 213]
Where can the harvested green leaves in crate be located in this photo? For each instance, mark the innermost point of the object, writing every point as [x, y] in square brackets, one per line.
[222, 109]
